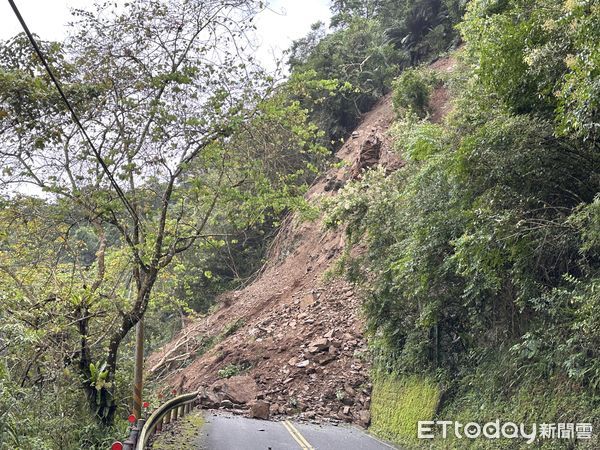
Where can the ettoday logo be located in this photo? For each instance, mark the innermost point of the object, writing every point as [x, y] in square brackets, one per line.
[503, 430]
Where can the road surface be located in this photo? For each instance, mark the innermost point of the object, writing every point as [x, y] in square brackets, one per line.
[229, 432]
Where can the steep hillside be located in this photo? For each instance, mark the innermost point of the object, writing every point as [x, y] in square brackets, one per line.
[298, 337]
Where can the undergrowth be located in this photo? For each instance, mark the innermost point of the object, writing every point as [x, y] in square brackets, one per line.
[187, 429]
[399, 402]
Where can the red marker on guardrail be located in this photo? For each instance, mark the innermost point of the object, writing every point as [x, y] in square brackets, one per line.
[116, 446]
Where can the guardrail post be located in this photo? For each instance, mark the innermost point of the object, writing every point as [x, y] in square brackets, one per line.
[135, 432]
[131, 441]
[167, 418]
[174, 414]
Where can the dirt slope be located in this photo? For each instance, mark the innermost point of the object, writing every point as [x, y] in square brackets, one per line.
[300, 336]
[292, 342]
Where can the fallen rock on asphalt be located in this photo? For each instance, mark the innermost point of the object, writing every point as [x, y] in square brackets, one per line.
[260, 410]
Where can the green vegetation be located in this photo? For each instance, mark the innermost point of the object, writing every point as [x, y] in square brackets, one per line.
[232, 328]
[399, 402]
[412, 90]
[187, 429]
[232, 370]
[481, 261]
[370, 43]
[483, 266]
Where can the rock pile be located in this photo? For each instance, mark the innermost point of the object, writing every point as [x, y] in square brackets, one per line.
[298, 347]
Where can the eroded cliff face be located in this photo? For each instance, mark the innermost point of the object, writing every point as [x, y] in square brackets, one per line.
[290, 339]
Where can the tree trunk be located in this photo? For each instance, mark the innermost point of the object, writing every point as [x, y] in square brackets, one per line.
[103, 401]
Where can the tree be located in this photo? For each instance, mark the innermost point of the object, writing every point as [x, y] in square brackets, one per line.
[344, 10]
[359, 56]
[45, 276]
[163, 88]
[421, 28]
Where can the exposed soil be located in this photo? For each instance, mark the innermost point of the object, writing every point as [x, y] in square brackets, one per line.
[291, 338]
[288, 307]
[439, 101]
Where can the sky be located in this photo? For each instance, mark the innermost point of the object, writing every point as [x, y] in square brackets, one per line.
[278, 26]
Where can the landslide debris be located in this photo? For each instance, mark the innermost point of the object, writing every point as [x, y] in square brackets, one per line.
[291, 343]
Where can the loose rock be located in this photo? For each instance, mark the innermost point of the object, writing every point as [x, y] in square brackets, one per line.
[260, 410]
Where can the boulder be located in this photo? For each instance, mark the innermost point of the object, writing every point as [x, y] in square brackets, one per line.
[349, 390]
[348, 400]
[240, 389]
[364, 418]
[329, 334]
[318, 345]
[324, 358]
[208, 398]
[308, 300]
[227, 404]
[260, 410]
[368, 154]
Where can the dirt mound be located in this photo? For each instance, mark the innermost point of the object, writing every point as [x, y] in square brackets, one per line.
[296, 334]
[299, 337]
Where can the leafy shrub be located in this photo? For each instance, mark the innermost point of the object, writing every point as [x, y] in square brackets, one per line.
[232, 370]
[539, 57]
[418, 139]
[411, 91]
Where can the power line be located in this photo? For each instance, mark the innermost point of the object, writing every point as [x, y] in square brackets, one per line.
[40, 55]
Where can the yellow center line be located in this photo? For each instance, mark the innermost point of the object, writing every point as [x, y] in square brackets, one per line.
[301, 440]
[298, 441]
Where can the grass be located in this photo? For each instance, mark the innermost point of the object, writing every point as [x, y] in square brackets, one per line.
[530, 401]
[231, 328]
[398, 403]
[181, 435]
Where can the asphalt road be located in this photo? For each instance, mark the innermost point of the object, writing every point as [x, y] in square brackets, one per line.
[228, 432]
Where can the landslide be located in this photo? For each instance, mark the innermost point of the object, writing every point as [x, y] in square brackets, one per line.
[293, 339]
[263, 333]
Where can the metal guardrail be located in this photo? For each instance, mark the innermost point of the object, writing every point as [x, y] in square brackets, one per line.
[168, 412]
[141, 433]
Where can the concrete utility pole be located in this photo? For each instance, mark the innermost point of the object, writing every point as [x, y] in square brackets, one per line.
[138, 375]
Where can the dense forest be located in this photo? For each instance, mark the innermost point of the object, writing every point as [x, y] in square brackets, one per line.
[478, 261]
[483, 251]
